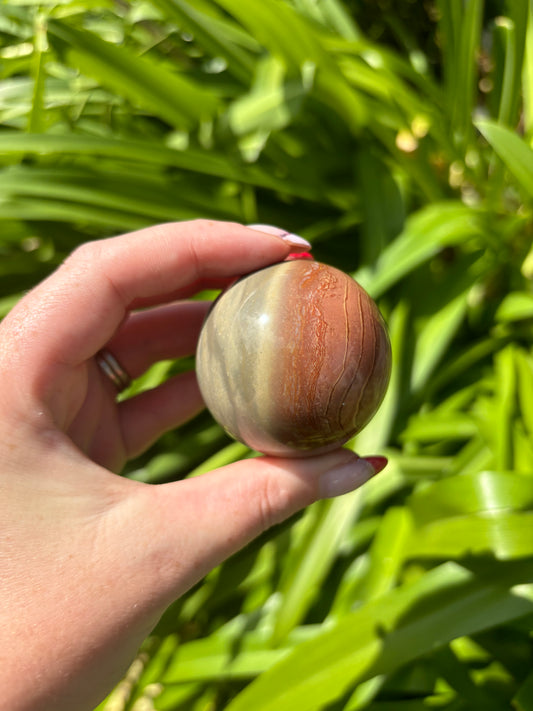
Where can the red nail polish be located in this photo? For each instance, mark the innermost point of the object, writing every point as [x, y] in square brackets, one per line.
[378, 463]
[299, 255]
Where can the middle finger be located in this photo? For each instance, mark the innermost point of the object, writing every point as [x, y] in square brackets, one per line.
[161, 333]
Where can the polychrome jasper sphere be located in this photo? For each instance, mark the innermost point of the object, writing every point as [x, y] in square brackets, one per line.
[294, 359]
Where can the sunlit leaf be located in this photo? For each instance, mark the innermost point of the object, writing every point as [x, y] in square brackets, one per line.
[383, 635]
[152, 86]
[513, 150]
[516, 306]
[425, 233]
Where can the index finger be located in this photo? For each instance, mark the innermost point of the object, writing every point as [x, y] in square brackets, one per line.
[73, 313]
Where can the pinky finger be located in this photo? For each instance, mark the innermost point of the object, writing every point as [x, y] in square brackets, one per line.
[147, 416]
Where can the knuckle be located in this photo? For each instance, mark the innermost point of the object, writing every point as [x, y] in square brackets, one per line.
[276, 502]
[83, 254]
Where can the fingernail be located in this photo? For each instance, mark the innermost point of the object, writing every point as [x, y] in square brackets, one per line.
[348, 476]
[289, 237]
[378, 463]
[296, 241]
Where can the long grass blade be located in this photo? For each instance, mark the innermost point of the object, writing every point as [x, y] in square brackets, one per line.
[148, 84]
[513, 151]
[382, 636]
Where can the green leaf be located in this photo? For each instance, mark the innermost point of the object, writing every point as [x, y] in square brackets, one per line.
[60, 211]
[505, 407]
[426, 233]
[377, 433]
[515, 306]
[527, 74]
[523, 700]
[513, 151]
[501, 534]
[308, 566]
[279, 28]
[440, 426]
[385, 634]
[510, 89]
[148, 196]
[435, 337]
[271, 103]
[216, 659]
[524, 365]
[462, 37]
[480, 492]
[142, 151]
[148, 84]
[290, 37]
[222, 39]
[154, 153]
[235, 651]
[457, 674]
[39, 73]
[335, 14]
[387, 553]
[227, 455]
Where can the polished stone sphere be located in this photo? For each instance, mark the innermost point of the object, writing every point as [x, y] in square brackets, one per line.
[294, 359]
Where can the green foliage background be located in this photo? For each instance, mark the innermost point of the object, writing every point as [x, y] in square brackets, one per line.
[397, 137]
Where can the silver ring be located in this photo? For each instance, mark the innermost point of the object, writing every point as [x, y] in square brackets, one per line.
[110, 366]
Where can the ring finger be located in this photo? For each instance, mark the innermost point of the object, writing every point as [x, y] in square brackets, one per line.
[161, 333]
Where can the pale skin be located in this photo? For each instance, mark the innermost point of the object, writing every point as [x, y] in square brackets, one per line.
[90, 560]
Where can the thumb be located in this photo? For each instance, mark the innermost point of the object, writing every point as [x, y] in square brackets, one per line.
[200, 522]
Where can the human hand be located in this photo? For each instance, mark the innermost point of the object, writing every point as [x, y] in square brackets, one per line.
[90, 560]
